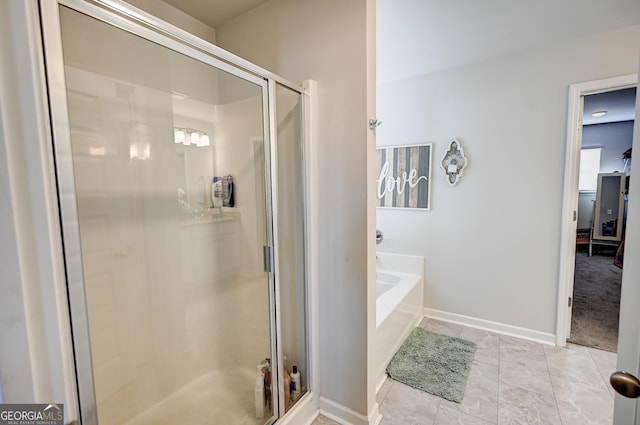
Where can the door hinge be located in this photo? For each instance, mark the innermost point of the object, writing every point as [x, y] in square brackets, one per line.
[570, 302]
[575, 215]
[267, 254]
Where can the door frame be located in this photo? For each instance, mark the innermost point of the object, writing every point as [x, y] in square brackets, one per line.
[570, 192]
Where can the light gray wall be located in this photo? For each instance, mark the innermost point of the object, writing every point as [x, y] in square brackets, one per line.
[326, 41]
[492, 243]
[614, 139]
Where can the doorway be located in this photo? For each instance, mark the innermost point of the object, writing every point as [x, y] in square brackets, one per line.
[579, 233]
[605, 156]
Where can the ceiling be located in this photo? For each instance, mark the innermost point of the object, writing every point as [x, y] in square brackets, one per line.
[215, 12]
[619, 104]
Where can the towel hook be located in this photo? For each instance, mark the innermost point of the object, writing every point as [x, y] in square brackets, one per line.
[373, 123]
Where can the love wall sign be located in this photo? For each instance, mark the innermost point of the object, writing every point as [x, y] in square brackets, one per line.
[404, 176]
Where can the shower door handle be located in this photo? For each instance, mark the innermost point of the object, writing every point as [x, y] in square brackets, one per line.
[267, 255]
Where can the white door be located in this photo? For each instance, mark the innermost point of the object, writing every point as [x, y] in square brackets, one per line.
[627, 410]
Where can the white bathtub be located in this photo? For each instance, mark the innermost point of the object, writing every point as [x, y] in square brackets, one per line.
[399, 304]
[385, 281]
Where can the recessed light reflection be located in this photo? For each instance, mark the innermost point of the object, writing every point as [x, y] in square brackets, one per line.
[97, 150]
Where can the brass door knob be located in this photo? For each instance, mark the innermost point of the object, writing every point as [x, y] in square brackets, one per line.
[625, 384]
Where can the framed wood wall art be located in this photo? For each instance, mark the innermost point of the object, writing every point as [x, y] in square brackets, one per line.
[404, 176]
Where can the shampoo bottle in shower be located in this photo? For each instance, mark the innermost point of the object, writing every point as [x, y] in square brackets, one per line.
[259, 393]
[287, 394]
[266, 370]
[295, 383]
[216, 192]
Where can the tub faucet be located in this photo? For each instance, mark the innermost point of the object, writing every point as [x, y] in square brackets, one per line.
[379, 237]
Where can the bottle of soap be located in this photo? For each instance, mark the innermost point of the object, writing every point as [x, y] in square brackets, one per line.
[286, 363]
[216, 192]
[267, 383]
[295, 383]
[287, 394]
[259, 393]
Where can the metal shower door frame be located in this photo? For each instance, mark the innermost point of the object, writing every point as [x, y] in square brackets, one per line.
[125, 17]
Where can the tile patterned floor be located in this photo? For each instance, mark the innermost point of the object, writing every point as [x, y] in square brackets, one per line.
[512, 382]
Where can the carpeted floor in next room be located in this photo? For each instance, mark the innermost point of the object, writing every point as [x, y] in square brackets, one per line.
[596, 302]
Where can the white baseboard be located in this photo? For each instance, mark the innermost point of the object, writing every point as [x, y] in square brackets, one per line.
[375, 417]
[381, 383]
[346, 416]
[488, 325]
[313, 418]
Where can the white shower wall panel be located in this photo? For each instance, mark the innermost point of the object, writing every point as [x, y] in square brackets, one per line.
[239, 151]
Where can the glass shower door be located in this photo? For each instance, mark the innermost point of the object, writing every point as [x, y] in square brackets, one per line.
[167, 163]
[290, 239]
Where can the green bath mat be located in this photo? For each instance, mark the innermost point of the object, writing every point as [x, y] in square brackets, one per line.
[434, 363]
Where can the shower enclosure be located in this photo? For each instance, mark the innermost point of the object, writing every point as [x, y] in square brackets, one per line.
[180, 179]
